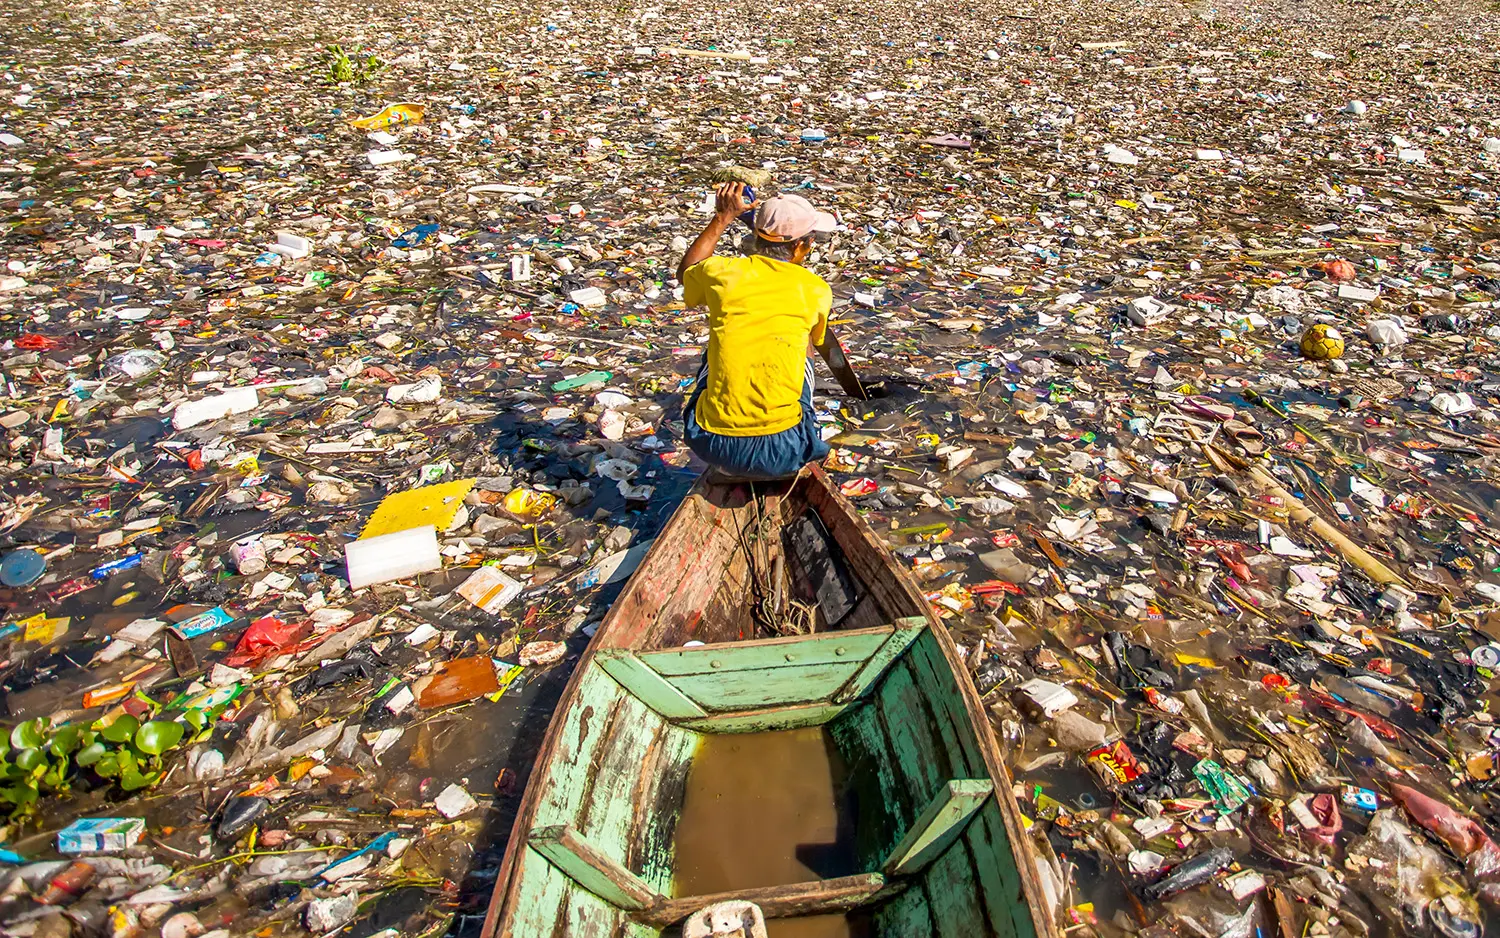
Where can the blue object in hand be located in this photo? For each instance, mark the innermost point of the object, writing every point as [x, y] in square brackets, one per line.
[748, 216]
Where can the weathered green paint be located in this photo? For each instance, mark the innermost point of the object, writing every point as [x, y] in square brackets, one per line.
[998, 882]
[802, 650]
[923, 766]
[543, 891]
[585, 914]
[606, 816]
[760, 721]
[718, 692]
[1022, 925]
[939, 686]
[906, 916]
[995, 871]
[644, 683]
[881, 800]
[953, 896]
[586, 864]
[938, 826]
[652, 850]
[570, 772]
[905, 631]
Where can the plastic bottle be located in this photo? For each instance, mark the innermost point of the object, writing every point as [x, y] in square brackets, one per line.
[66, 887]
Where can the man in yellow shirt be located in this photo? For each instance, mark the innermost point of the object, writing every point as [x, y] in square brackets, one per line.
[751, 413]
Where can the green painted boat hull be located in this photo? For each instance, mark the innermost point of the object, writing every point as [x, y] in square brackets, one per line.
[938, 843]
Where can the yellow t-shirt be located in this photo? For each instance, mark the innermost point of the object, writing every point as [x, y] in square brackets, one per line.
[761, 313]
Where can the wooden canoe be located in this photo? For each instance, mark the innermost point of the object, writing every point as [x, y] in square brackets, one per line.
[937, 843]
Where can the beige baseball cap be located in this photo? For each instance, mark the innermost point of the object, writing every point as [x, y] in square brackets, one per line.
[790, 218]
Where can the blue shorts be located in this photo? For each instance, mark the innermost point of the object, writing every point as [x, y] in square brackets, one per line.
[774, 456]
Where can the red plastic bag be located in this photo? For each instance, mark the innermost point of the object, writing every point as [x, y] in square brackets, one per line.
[264, 638]
[1325, 808]
[1462, 834]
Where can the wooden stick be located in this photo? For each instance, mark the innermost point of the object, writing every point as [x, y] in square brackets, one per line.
[1299, 512]
[818, 897]
[1352, 552]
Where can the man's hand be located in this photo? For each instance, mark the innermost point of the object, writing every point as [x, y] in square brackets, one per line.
[729, 204]
[730, 201]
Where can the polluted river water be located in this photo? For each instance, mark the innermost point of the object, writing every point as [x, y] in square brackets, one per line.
[1229, 585]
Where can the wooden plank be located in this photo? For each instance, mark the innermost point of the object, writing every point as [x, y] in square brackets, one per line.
[769, 687]
[951, 892]
[585, 913]
[994, 870]
[939, 687]
[908, 915]
[882, 801]
[684, 569]
[608, 812]
[651, 688]
[542, 891]
[564, 780]
[1028, 907]
[658, 805]
[903, 632]
[765, 720]
[817, 897]
[996, 895]
[912, 736]
[591, 868]
[797, 650]
[938, 826]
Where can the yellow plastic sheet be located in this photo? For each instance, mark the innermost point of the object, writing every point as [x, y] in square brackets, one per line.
[431, 504]
[392, 116]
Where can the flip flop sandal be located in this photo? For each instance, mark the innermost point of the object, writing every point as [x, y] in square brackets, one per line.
[1177, 426]
[1246, 437]
[1206, 408]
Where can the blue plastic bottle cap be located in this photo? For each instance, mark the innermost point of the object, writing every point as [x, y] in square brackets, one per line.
[22, 567]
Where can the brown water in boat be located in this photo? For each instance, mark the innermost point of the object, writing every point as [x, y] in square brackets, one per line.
[763, 809]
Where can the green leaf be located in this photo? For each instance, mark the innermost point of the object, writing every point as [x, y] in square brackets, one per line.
[29, 759]
[28, 735]
[56, 776]
[66, 740]
[91, 754]
[19, 795]
[122, 729]
[131, 779]
[197, 719]
[158, 736]
[109, 766]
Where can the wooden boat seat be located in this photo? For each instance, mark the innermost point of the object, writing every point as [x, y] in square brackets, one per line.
[719, 687]
[605, 877]
[817, 897]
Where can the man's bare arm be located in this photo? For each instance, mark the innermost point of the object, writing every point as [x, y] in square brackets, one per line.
[729, 205]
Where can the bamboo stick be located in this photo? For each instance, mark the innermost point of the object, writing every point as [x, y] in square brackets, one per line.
[1352, 552]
